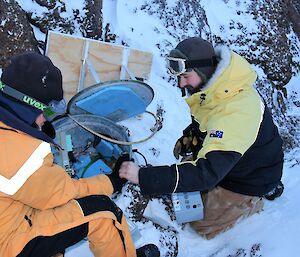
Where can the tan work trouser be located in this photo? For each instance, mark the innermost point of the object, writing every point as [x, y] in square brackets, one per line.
[222, 209]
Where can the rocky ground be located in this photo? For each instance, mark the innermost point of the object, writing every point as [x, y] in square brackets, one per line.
[271, 47]
[16, 35]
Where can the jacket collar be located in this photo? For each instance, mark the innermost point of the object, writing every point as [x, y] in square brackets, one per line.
[232, 75]
[223, 54]
[24, 112]
[11, 121]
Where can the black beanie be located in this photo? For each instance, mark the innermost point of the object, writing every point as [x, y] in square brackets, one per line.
[35, 75]
[196, 48]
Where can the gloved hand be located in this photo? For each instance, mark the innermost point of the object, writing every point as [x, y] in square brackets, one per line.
[114, 177]
[191, 141]
[185, 146]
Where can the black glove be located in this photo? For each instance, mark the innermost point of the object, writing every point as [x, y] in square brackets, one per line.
[191, 141]
[48, 129]
[184, 146]
[114, 177]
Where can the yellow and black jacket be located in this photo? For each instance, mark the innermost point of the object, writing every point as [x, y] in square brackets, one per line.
[241, 149]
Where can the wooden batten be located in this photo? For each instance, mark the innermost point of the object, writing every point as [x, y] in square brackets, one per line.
[67, 53]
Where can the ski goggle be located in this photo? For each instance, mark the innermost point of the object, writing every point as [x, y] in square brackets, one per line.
[50, 111]
[177, 66]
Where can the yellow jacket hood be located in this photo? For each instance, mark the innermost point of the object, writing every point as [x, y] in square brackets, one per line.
[233, 74]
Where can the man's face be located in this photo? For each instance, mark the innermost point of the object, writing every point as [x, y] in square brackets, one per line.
[40, 120]
[190, 81]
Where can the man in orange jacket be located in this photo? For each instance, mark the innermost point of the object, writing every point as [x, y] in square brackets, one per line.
[42, 210]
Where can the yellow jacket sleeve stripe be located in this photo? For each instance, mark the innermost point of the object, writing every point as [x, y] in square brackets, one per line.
[33, 163]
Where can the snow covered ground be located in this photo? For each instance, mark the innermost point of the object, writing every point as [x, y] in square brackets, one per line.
[275, 231]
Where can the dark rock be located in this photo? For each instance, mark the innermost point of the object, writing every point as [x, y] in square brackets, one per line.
[87, 22]
[293, 14]
[50, 4]
[92, 24]
[53, 18]
[16, 34]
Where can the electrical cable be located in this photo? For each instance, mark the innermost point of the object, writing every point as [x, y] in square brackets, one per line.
[136, 151]
[117, 141]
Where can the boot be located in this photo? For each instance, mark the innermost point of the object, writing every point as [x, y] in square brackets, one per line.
[276, 192]
[59, 255]
[149, 250]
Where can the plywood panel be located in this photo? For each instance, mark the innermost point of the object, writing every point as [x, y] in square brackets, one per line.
[106, 59]
[140, 63]
[67, 53]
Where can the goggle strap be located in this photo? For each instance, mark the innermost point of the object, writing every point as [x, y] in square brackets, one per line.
[201, 63]
[11, 92]
[21, 97]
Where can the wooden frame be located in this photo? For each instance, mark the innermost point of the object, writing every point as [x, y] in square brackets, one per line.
[78, 57]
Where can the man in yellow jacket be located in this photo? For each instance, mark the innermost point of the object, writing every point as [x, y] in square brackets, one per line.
[42, 209]
[232, 150]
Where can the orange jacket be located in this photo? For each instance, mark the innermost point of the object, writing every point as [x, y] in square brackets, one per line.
[32, 185]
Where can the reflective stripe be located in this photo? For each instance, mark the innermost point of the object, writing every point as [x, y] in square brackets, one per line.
[177, 179]
[34, 162]
[262, 107]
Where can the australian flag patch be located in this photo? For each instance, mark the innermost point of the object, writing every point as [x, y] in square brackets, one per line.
[216, 133]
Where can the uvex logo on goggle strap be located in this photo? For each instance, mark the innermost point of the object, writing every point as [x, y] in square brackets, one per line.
[2, 86]
[34, 103]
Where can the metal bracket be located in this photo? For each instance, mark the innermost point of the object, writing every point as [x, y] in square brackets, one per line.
[93, 71]
[86, 61]
[124, 67]
[82, 69]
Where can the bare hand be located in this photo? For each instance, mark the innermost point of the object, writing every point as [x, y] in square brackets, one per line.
[130, 171]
